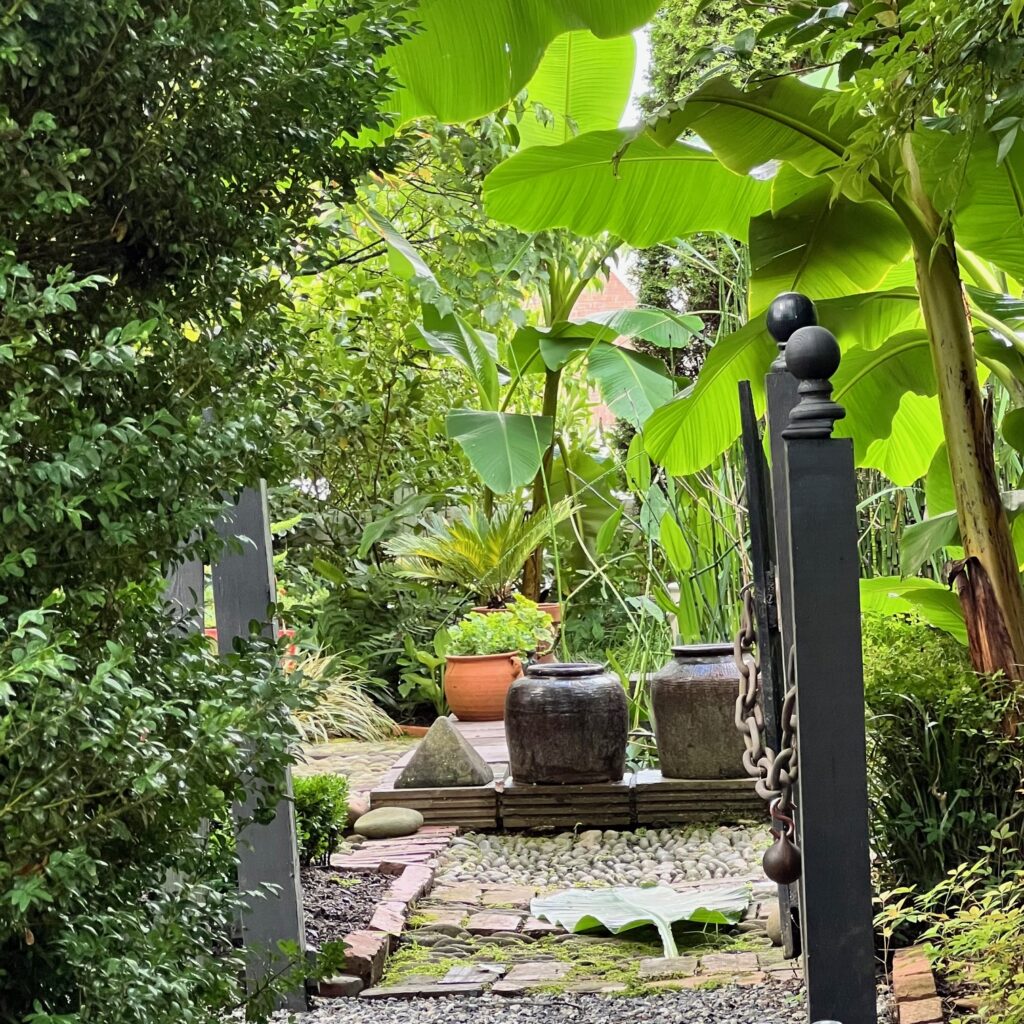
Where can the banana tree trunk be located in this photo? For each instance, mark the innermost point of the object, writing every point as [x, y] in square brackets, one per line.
[533, 570]
[988, 581]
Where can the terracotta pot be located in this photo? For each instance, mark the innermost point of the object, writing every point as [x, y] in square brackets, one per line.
[412, 730]
[693, 700]
[475, 685]
[566, 724]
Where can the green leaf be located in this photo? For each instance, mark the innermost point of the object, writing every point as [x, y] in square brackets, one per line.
[822, 247]
[505, 449]
[632, 385]
[638, 465]
[871, 384]
[589, 481]
[921, 540]
[938, 484]
[648, 195]
[1012, 429]
[691, 431]
[584, 82]
[936, 604]
[659, 327]
[475, 350]
[785, 120]
[673, 543]
[622, 909]
[404, 259]
[606, 534]
[470, 57]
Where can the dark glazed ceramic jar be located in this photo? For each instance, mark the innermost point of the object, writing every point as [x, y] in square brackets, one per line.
[693, 700]
[566, 723]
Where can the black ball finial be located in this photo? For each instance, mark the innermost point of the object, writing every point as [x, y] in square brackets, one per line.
[812, 353]
[788, 313]
[812, 356]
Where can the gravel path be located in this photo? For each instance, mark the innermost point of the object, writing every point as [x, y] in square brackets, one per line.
[775, 1003]
[647, 856]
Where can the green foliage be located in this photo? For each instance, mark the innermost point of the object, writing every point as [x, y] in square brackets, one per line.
[341, 707]
[943, 773]
[422, 674]
[972, 924]
[482, 554]
[162, 160]
[321, 813]
[521, 628]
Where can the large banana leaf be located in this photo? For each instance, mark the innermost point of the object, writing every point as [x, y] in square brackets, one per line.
[588, 481]
[469, 57]
[821, 246]
[632, 385]
[871, 384]
[622, 909]
[938, 484]
[935, 603]
[535, 349]
[644, 194]
[505, 449]
[986, 195]
[475, 350]
[691, 431]
[921, 540]
[584, 83]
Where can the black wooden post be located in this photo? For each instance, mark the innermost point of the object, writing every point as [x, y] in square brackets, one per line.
[824, 610]
[788, 313]
[243, 591]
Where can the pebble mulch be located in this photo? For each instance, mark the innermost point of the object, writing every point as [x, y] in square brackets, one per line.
[335, 903]
[364, 764]
[644, 857]
[771, 1003]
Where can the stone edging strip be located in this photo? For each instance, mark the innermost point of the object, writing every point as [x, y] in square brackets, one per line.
[913, 988]
[367, 949]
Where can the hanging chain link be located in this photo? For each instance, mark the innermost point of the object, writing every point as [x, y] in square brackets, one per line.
[776, 773]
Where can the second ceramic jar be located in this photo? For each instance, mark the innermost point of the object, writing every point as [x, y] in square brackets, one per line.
[693, 701]
[566, 724]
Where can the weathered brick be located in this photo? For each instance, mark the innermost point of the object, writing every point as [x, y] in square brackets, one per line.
[414, 882]
[340, 986]
[462, 893]
[489, 924]
[914, 986]
[728, 963]
[668, 967]
[508, 896]
[921, 1011]
[531, 975]
[365, 953]
[388, 917]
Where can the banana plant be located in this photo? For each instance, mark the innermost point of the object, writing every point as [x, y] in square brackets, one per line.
[884, 252]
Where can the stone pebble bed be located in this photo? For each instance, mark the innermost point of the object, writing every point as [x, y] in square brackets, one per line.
[645, 857]
[774, 1003]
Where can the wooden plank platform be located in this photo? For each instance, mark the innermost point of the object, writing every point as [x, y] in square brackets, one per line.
[641, 798]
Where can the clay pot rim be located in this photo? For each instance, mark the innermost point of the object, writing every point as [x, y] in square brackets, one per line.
[694, 651]
[565, 670]
[482, 657]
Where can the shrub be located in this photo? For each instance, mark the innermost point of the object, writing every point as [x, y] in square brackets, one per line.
[163, 166]
[321, 813]
[521, 628]
[942, 773]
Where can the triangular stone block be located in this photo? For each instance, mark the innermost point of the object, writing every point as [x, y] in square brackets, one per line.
[444, 758]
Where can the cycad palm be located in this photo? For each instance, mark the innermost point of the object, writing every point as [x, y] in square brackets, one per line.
[483, 554]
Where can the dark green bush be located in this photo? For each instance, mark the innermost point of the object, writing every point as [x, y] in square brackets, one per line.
[321, 813]
[162, 166]
[943, 774]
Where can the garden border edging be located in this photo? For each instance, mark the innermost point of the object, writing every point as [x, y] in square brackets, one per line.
[913, 988]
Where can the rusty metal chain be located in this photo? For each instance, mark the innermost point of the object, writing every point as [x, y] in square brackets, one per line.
[776, 773]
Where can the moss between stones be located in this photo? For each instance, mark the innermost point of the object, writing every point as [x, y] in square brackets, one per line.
[610, 960]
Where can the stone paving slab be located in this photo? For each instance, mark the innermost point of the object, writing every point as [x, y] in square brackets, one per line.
[668, 967]
[489, 924]
[523, 977]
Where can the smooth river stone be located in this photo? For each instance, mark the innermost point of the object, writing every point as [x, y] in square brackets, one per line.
[389, 822]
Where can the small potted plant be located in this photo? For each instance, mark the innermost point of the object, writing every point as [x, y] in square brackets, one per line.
[485, 656]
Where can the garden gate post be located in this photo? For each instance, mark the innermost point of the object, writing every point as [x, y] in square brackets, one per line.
[787, 313]
[243, 591]
[184, 594]
[824, 611]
